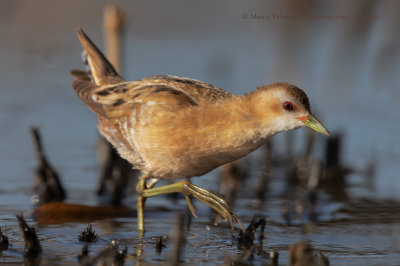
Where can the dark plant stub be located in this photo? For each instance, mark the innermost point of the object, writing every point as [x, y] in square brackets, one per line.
[88, 235]
[160, 244]
[47, 181]
[246, 238]
[3, 242]
[31, 240]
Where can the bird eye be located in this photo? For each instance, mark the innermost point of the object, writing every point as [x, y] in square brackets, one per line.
[288, 106]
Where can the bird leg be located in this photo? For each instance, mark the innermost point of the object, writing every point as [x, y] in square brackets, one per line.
[187, 189]
[142, 186]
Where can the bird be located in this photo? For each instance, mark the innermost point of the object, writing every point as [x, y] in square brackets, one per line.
[171, 127]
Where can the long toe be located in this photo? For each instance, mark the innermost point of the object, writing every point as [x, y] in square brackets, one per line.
[213, 201]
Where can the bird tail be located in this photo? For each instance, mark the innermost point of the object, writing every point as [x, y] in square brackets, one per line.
[102, 71]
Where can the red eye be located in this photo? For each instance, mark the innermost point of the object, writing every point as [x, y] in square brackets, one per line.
[288, 106]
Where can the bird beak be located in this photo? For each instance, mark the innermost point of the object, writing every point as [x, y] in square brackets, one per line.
[313, 123]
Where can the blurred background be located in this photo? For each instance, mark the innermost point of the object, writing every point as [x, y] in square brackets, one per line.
[344, 55]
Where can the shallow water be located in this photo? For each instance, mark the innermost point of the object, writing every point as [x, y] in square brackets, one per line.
[347, 67]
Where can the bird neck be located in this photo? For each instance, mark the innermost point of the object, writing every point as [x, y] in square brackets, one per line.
[238, 125]
[264, 117]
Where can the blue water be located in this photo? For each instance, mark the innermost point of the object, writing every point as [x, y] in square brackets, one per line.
[348, 67]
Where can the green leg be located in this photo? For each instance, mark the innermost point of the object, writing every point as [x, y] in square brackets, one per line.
[187, 189]
[141, 186]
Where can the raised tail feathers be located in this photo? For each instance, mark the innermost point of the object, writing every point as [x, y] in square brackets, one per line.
[101, 69]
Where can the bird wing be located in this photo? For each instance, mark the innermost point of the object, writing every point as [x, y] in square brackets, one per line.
[116, 100]
[199, 91]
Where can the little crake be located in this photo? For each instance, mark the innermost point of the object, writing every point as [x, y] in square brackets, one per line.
[172, 127]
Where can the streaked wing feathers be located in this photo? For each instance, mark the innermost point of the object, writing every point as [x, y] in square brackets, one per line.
[83, 87]
[115, 100]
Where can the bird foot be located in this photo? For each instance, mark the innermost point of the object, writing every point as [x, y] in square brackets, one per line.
[190, 190]
[210, 199]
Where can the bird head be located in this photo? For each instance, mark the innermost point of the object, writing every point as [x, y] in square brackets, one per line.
[290, 107]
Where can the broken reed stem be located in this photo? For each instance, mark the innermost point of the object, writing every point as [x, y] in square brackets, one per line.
[115, 171]
[114, 19]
